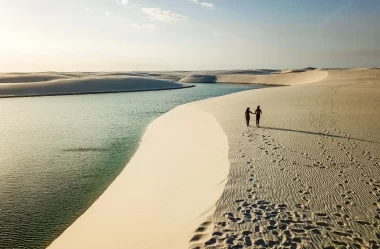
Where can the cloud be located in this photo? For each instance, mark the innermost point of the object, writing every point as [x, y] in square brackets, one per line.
[107, 13]
[123, 2]
[204, 4]
[208, 5]
[163, 15]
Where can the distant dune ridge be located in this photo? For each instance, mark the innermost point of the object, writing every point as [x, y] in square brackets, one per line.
[30, 77]
[60, 85]
[200, 78]
[287, 77]
[308, 178]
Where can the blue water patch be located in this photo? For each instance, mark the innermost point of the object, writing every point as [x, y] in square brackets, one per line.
[58, 154]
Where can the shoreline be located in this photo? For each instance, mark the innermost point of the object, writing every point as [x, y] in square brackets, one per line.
[121, 210]
[88, 93]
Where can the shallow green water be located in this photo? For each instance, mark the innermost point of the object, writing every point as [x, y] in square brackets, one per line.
[58, 154]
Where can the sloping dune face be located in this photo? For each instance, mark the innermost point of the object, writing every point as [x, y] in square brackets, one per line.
[30, 77]
[167, 75]
[292, 78]
[86, 85]
[200, 78]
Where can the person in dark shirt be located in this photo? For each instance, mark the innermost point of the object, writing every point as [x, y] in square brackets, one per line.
[258, 113]
[247, 115]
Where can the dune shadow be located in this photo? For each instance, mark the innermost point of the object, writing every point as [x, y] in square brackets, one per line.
[318, 134]
[85, 150]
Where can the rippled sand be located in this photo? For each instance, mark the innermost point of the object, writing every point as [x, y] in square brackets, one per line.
[310, 176]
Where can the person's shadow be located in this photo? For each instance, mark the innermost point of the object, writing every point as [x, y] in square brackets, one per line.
[317, 133]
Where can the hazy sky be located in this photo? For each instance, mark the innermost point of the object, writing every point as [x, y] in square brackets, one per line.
[114, 35]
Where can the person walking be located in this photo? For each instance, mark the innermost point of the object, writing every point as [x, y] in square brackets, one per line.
[247, 115]
[258, 113]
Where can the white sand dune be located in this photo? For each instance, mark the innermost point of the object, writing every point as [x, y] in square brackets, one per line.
[309, 178]
[159, 198]
[277, 79]
[200, 78]
[290, 78]
[99, 84]
[29, 77]
[247, 72]
[169, 76]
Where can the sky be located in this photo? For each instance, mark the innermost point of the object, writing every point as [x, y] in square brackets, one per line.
[142, 35]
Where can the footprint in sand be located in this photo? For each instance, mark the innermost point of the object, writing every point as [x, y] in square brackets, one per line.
[201, 234]
[362, 222]
[324, 215]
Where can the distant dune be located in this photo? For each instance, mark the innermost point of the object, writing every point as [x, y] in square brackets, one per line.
[165, 75]
[30, 77]
[64, 86]
[291, 78]
[59, 83]
[200, 78]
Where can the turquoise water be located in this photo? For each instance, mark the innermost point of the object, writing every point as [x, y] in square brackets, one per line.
[58, 154]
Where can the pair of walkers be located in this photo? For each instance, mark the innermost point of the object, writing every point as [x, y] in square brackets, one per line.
[258, 113]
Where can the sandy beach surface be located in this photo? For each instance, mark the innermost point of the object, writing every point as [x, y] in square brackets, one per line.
[309, 177]
[169, 187]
